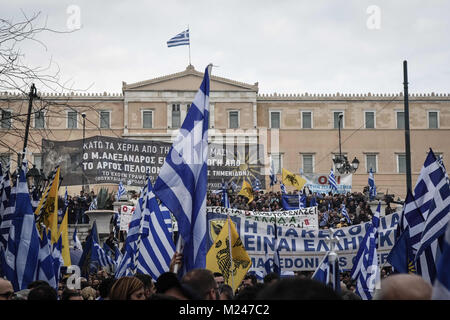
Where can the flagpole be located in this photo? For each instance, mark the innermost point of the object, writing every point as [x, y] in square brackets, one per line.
[231, 248]
[189, 46]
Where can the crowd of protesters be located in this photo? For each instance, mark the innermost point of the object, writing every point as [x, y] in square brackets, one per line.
[329, 206]
[202, 284]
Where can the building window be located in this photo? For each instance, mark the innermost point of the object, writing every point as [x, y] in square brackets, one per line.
[400, 120]
[233, 119]
[39, 120]
[275, 119]
[105, 119]
[38, 161]
[176, 116]
[369, 119]
[4, 159]
[401, 163]
[433, 119]
[276, 160]
[371, 162]
[72, 122]
[336, 119]
[147, 119]
[308, 163]
[188, 106]
[6, 119]
[306, 119]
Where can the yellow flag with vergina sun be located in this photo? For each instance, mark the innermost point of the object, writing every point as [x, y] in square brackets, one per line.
[232, 264]
[291, 179]
[246, 191]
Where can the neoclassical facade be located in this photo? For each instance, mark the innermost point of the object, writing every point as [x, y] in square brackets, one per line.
[299, 132]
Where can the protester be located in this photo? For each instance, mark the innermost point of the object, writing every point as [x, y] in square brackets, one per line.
[271, 278]
[42, 292]
[219, 278]
[202, 282]
[6, 290]
[168, 284]
[225, 292]
[89, 293]
[149, 287]
[297, 289]
[69, 294]
[104, 288]
[404, 287]
[127, 288]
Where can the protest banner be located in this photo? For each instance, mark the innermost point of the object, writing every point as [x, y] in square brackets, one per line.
[302, 249]
[110, 160]
[318, 183]
[299, 218]
[126, 214]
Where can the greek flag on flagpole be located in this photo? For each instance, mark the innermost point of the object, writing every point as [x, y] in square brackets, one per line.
[121, 191]
[156, 247]
[283, 188]
[345, 214]
[322, 273]
[180, 39]
[332, 181]
[441, 287]
[372, 186]
[22, 252]
[182, 181]
[9, 203]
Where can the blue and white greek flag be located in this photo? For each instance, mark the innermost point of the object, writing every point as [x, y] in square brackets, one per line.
[76, 241]
[441, 286]
[45, 270]
[372, 186]
[301, 200]
[22, 252]
[121, 191]
[93, 205]
[432, 194]
[127, 265]
[332, 181]
[225, 200]
[103, 259]
[182, 181]
[283, 188]
[273, 176]
[368, 275]
[256, 185]
[328, 273]
[180, 39]
[58, 260]
[156, 247]
[345, 214]
[9, 204]
[414, 220]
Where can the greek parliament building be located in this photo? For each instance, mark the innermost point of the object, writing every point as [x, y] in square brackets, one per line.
[299, 132]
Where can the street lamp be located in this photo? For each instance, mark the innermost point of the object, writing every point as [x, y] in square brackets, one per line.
[340, 161]
[34, 178]
[82, 158]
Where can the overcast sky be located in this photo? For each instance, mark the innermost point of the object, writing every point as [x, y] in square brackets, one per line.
[323, 46]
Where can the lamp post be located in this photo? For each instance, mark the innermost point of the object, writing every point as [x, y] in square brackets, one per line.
[31, 95]
[341, 162]
[82, 158]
